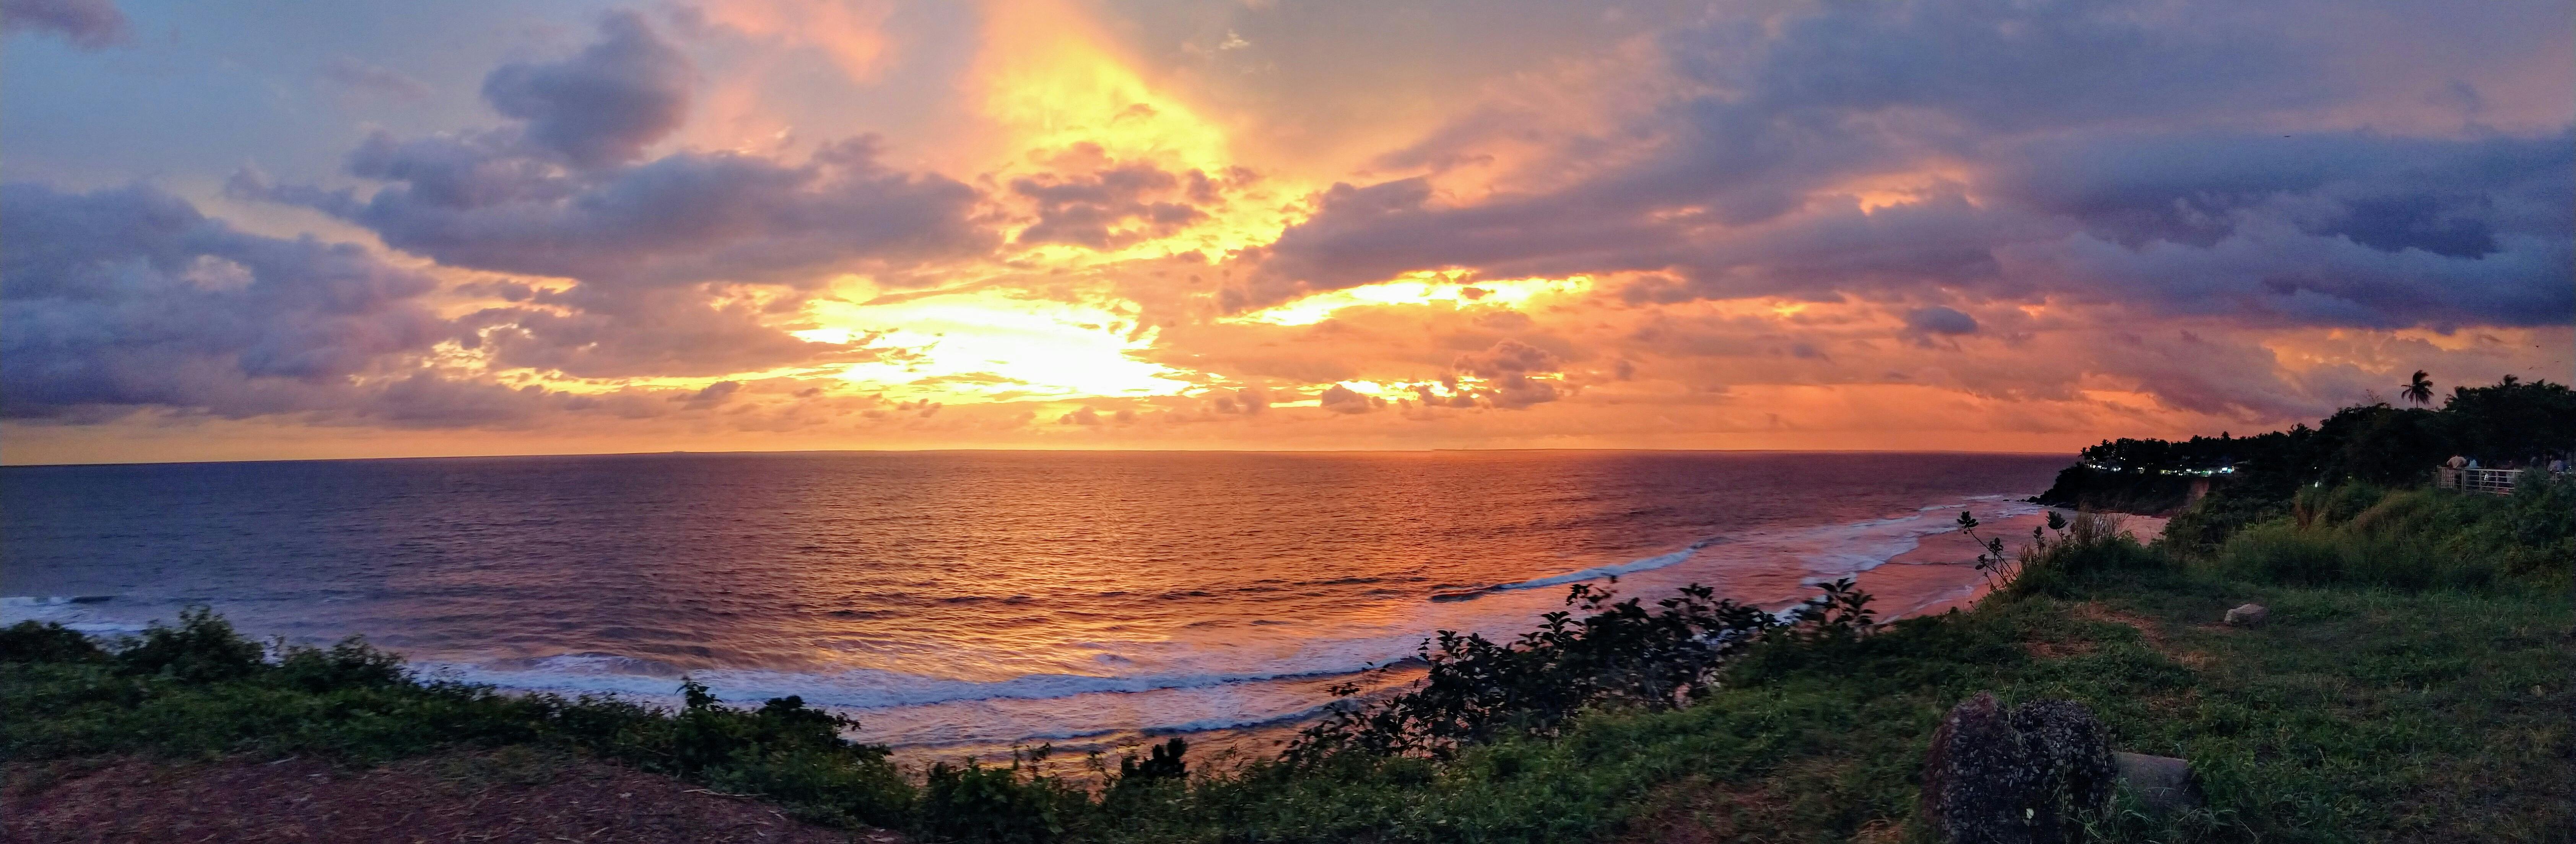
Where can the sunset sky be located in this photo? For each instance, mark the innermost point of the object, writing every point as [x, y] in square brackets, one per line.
[278, 230]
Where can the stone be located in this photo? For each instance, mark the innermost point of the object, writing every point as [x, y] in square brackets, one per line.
[2249, 615]
[2073, 750]
[2018, 777]
[2163, 784]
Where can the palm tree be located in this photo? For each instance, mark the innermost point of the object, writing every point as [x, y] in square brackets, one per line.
[2419, 389]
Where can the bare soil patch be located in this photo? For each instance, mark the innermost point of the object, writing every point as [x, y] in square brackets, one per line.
[511, 795]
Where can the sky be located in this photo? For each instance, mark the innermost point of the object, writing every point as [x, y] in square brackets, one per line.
[268, 230]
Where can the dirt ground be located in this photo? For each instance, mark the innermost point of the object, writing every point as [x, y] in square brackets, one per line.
[511, 795]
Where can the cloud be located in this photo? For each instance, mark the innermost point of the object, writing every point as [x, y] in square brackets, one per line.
[1341, 399]
[664, 332]
[129, 296]
[686, 264]
[850, 32]
[1938, 319]
[1507, 368]
[130, 299]
[1636, 227]
[1105, 204]
[87, 24]
[1508, 357]
[604, 105]
[1996, 150]
[685, 218]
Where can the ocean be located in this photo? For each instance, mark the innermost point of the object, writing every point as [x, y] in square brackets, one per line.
[963, 602]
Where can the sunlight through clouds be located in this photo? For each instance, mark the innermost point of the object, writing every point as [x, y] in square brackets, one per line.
[756, 224]
[992, 345]
[1444, 289]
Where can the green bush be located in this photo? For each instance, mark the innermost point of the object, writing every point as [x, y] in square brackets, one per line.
[2411, 539]
[202, 649]
[1614, 652]
[1013, 804]
[28, 641]
[201, 689]
[2092, 544]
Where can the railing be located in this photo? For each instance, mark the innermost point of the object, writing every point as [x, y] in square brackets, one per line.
[2489, 481]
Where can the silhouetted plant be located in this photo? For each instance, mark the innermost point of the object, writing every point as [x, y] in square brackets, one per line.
[2418, 390]
[30, 641]
[202, 649]
[351, 663]
[1163, 761]
[2251, 479]
[1014, 804]
[1993, 564]
[1616, 651]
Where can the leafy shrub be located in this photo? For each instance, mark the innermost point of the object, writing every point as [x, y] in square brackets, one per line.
[1616, 652]
[1162, 762]
[2070, 551]
[2199, 530]
[29, 641]
[2412, 539]
[202, 649]
[1013, 804]
[349, 664]
[201, 688]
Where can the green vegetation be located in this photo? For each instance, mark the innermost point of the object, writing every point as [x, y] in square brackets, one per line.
[2413, 683]
[2510, 423]
[2410, 539]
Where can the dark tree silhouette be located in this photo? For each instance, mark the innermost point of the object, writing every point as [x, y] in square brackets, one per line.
[2418, 389]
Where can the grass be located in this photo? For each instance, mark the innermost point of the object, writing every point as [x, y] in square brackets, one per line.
[2371, 707]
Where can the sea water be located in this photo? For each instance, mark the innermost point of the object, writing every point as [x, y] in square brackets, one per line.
[958, 602]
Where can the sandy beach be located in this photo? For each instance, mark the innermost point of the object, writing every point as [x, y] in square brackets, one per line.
[1941, 573]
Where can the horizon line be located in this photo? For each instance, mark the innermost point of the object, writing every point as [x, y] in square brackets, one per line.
[4, 464]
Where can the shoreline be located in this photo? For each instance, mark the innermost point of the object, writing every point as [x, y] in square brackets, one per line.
[1940, 574]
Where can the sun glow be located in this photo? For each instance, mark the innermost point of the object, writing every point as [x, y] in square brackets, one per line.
[1054, 89]
[1441, 289]
[991, 346]
[1050, 82]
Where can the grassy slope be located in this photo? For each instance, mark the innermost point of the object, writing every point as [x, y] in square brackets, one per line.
[2361, 713]
[2356, 715]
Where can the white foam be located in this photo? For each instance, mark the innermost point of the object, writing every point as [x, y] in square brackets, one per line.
[1829, 552]
[1169, 686]
[1631, 567]
[78, 612]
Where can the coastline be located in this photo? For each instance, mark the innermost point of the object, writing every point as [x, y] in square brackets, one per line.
[1940, 574]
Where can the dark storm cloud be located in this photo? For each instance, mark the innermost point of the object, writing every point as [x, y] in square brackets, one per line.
[2036, 107]
[1937, 319]
[661, 249]
[1506, 368]
[131, 297]
[685, 218]
[2452, 198]
[88, 24]
[662, 332]
[1340, 399]
[2341, 229]
[502, 200]
[1101, 204]
[604, 105]
[1508, 358]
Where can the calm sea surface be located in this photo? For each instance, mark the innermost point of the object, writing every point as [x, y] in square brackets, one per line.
[961, 600]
